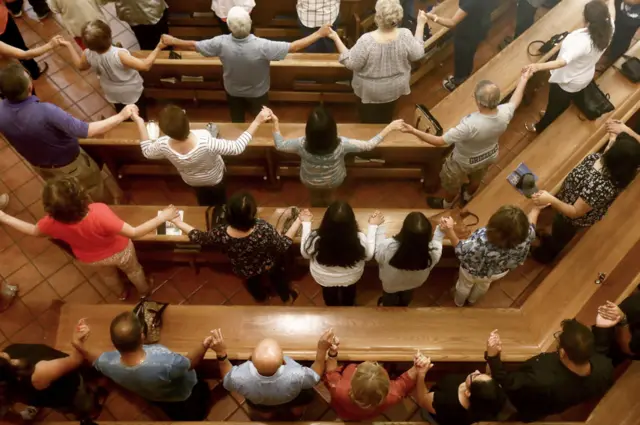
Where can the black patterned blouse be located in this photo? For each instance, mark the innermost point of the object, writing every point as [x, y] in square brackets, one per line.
[595, 187]
[250, 256]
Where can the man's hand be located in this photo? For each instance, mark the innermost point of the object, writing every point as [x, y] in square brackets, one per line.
[326, 340]
[377, 218]
[128, 111]
[168, 40]
[161, 45]
[325, 30]
[609, 315]
[396, 125]
[81, 332]
[494, 344]
[217, 343]
[206, 343]
[616, 127]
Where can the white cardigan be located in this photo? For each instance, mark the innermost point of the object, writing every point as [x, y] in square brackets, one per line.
[338, 276]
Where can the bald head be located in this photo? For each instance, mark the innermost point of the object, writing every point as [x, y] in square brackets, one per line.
[267, 357]
[126, 332]
[487, 95]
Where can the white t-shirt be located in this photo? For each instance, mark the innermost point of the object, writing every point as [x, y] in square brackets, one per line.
[222, 7]
[581, 57]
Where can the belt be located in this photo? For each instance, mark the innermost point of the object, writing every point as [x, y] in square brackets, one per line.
[51, 166]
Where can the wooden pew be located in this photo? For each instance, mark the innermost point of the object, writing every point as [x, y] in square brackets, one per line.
[392, 334]
[403, 155]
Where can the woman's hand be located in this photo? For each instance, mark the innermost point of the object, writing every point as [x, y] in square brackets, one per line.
[447, 224]
[305, 216]
[333, 35]
[407, 128]
[170, 213]
[265, 115]
[135, 117]
[542, 198]
[377, 218]
[616, 127]
[422, 18]
[431, 16]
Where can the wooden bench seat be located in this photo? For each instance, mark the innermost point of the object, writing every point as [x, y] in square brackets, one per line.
[392, 334]
[403, 155]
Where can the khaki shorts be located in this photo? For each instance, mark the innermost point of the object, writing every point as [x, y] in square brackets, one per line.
[454, 174]
[85, 169]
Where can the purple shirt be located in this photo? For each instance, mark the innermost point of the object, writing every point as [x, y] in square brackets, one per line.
[42, 133]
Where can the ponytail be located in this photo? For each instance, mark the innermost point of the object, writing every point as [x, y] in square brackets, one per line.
[598, 19]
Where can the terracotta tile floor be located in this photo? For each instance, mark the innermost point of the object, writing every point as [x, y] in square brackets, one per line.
[47, 276]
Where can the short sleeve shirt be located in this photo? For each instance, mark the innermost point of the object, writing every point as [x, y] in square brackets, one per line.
[280, 388]
[595, 187]
[162, 376]
[446, 402]
[94, 238]
[476, 137]
[245, 61]
[478, 19]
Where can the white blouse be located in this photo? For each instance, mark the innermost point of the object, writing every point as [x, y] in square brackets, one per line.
[338, 276]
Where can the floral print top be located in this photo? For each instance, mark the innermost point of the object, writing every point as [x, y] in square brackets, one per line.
[595, 187]
[250, 256]
[481, 258]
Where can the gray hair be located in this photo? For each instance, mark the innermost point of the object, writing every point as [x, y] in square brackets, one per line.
[239, 22]
[388, 14]
[487, 94]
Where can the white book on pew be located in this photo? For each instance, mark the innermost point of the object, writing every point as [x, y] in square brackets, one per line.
[168, 228]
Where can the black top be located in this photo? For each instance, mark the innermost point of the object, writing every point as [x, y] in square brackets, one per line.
[631, 308]
[478, 20]
[543, 386]
[446, 402]
[60, 393]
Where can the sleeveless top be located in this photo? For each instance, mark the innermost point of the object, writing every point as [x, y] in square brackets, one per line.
[60, 393]
[119, 83]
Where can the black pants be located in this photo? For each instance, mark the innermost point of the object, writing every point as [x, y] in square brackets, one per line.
[562, 231]
[626, 28]
[141, 104]
[39, 6]
[464, 51]
[195, 408]
[278, 281]
[525, 16]
[149, 35]
[339, 295]
[210, 196]
[238, 106]
[397, 299]
[377, 113]
[559, 101]
[12, 37]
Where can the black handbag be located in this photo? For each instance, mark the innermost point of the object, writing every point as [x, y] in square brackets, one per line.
[432, 126]
[593, 102]
[215, 216]
[546, 46]
[150, 315]
[631, 68]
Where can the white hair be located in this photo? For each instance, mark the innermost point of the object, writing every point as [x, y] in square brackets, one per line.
[487, 94]
[239, 22]
[388, 14]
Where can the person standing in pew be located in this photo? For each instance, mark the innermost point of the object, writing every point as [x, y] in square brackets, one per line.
[491, 252]
[476, 142]
[149, 19]
[312, 15]
[91, 232]
[550, 383]
[117, 69]
[471, 24]
[627, 22]
[587, 193]
[337, 251]
[458, 399]
[272, 383]
[196, 154]
[255, 248]
[322, 153]
[381, 62]
[525, 17]
[221, 9]
[406, 259]
[627, 329]
[246, 60]
[47, 137]
[575, 66]
[155, 373]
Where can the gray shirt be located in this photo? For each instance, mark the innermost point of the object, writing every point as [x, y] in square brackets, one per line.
[245, 61]
[162, 376]
[476, 137]
[280, 388]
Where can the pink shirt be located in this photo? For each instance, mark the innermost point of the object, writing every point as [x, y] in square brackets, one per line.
[94, 238]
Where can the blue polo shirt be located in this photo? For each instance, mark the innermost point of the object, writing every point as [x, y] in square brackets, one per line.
[42, 133]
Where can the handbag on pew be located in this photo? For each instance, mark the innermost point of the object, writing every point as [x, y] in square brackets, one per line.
[546, 46]
[630, 68]
[215, 216]
[295, 212]
[593, 102]
[150, 315]
[425, 121]
[465, 221]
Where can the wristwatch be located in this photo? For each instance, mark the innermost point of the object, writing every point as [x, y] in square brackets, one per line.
[222, 358]
[334, 355]
[623, 321]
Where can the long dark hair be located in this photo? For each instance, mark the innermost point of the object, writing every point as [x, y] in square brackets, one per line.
[598, 19]
[241, 211]
[486, 400]
[622, 160]
[414, 238]
[336, 242]
[321, 132]
[11, 377]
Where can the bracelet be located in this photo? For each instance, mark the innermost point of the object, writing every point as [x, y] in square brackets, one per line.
[334, 355]
[222, 358]
[623, 321]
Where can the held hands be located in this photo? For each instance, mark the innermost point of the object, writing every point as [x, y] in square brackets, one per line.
[305, 216]
[531, 68]
[335, 344]
[431, 16]
[161, 45]
[396, 125]
[325, 30]
[377, 218]
[216, 342]
[265, 115]
[135, 117]
[407, 128]
[81, 332]
[128, 112]
[422, 364]
[333, 35]
[609, 315]
[58, 40]
[616, 127]
[326, 340]
[542, 198]
[447, 225]
[494, 344]
[170, 213]
[422, 18]
[527, 73]
[168, 40]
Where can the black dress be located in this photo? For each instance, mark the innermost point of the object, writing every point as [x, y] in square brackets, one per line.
[446, 403]
[60, 394]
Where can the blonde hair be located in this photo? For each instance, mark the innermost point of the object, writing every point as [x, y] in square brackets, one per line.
[369, 385]
[388, 14]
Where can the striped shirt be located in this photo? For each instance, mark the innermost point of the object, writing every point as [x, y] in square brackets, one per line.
[202, 166]
[324, 171]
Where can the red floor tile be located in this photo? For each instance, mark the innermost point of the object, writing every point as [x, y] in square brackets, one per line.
[79, 90]
[92, 103]
[31, 334]
[65, 77]
[8, 158]
[65, 280]
[207, 295]
[11, 259]
[167, 293]
[40, 299]
[50, 261]
[17, 175]
[29, 192]
[84, 294]
[27, 278]
[5, 239]
[33, 246]
[15, 318]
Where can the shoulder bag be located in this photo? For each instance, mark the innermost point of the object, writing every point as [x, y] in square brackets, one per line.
[150, 315]
[593, 102]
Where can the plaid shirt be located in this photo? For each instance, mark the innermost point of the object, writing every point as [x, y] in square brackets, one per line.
[316, 13]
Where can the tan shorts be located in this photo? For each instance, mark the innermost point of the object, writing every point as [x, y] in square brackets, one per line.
[454, 174]
[85, 169]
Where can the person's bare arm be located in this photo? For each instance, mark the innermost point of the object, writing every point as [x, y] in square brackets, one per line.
[138, 64]
[452, 22]
[293, 230]
[186, 228]
[307, 41]
[13, 52]
[518, 94]
[321, 353]
[196, 355]
[548, 66]
[140, 125]
[169, 40]
[578, 209]
[80, 62]
[425, 137]
[338, 42]
[98, 128]
[220, 347]
[19, 225]
[168, 214]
